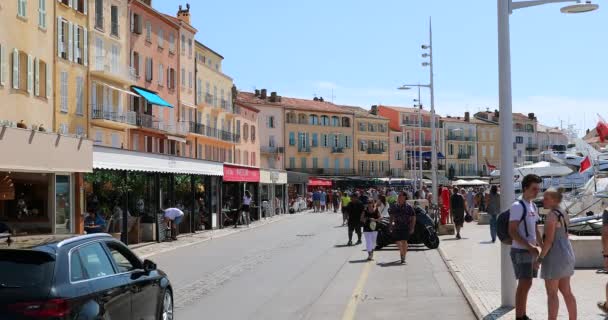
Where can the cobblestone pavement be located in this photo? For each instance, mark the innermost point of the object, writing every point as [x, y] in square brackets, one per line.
[475, 263]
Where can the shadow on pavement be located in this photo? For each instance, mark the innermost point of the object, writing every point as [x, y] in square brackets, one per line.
[486, 242]
[342, 246]
[416, 249]
[359, 261]
[455, 239]
[395, 263]
[498, 313]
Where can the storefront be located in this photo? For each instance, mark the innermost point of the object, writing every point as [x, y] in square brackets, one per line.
[130, 189]
[296, 185]
[318, 183]
[41, 179]
[237, 180]
[273, 188]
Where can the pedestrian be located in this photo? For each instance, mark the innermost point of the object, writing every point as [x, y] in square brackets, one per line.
[402, 222]
[526, 237]
[493, 208]
[458, 208]
[603, 305]
[382, 206]
[323, 201]
[369, 218]
[245, 208]
[316, 201]
[445, 205]
[482, 200]
[336, 201]
[345, 201]
[470, 197]
[557, 257]
[93, 223]
[355, 210]
[173, 217]
[330, 200]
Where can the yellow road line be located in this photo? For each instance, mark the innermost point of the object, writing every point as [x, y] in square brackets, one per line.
[351, 308]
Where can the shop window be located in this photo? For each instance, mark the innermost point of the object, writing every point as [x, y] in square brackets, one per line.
[63, 212]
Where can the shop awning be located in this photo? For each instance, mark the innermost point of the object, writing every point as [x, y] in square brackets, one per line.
[273, 176]
[234, 173]
[34, 151]
[297, 177]
[151, 97]
[316, 182]
[120, 159]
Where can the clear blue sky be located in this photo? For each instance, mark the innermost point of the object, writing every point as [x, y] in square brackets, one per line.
[363, 50]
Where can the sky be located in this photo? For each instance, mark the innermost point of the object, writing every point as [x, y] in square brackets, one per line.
[358, 52]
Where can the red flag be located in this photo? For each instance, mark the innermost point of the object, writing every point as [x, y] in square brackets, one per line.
[602, 130]
[585, 164]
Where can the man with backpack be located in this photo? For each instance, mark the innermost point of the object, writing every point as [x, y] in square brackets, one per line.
[526, 241]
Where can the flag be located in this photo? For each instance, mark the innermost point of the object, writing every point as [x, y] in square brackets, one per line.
[490, 167]
[585, 164]
[602, 130]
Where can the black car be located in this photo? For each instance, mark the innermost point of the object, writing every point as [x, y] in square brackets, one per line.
[79, 277]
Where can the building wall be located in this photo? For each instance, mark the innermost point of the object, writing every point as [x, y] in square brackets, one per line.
[37, 42]
[393, 116]
[525, 148]
[247, 150]
[186, 68]
[328, 161]
[461, 147]
[372, 149]
[272, 139]
[488, 146]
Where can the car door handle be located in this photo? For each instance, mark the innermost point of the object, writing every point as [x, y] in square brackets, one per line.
[135, 289]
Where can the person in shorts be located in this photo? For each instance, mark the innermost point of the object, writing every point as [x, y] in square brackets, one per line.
[527, 241]
[173, 217]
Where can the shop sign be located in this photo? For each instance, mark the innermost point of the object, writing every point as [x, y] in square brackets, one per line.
[241, 174]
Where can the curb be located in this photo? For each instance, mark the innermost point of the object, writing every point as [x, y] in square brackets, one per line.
[478, 308]
[211, 237]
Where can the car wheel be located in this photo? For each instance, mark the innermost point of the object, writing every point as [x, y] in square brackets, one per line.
[166, 310]
[432, 242]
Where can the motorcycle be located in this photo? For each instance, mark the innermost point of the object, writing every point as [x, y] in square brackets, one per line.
[424, 231]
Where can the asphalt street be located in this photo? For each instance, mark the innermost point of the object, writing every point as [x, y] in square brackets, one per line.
[299, 268]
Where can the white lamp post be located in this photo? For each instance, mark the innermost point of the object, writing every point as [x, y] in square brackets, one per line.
[505, 8]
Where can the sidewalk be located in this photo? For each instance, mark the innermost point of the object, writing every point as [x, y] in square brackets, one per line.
[475, 264]
[148, 249]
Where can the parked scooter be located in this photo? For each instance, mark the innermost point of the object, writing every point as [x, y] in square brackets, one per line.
[424, 231]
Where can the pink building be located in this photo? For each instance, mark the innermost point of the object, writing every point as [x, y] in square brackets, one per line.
[154, 47]
[247, 149]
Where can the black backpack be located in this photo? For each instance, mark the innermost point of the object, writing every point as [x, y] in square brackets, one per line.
[502, 224]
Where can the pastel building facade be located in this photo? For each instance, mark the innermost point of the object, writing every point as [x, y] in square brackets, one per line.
[460, 135]
[371, 153]
[247, 148]
[488, 141]
[525, 144]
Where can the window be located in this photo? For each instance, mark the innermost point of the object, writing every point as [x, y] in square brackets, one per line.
[64, 91]
[347, 142]
[315, 140]
[136, 23]
[149, 66]
[315, 163]
[190, 79]
[314, 119]
[41, 79]
[161, 71]
[491, 151]
[324, 120]
[79, 5]
[519, 153]
[190, 48]
[42, 14]
[183, 44]
[519, 140]
[252, 133]
[303, 163]
[451, 149]
[79, 96]
[76, 270]
[171, 78]
[21, 8]
[98, 137]
[80, 131]
[397, 139]
[292, 162]
[114, 30]
[245, 131]
[171, 43]
[324, 140]
[483, 151]
[148, 31]
[62, 38]
[292, 139]
[161, 41]
[99, 15]
[122, 258]
[78, 44]
[335, 121]
[95, 261]
[271, 141]
[397, 155]
[183, 82]
[135, 62]
[271, 122]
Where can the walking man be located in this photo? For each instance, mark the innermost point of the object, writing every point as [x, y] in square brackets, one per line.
[316, 201]
[457, 206]
[355, 210]
[403, 222]
[527, 240]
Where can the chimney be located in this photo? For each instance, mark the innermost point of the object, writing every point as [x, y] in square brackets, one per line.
[321, 99]
[263, 94]
[257, 92]
[374, 110]
[531, 116]
[273, 96]
[315, 99]
[184, 15]
[467, 116]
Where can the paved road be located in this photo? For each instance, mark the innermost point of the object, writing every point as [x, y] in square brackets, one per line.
[298, 268]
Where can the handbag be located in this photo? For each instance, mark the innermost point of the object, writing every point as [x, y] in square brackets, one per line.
[468, 218]
[372, 225]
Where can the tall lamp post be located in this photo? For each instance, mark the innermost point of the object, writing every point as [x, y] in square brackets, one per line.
[431, 86]
[507, 189]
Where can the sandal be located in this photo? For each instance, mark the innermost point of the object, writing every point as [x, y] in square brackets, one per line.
[602, 305]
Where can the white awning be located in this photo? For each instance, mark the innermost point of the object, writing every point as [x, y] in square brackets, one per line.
[188, 105]
[120, 159]
[175, 138]
[268, 176]
[117, 89]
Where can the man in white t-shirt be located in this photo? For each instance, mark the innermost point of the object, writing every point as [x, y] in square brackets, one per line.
[173, 217]
[526, 241]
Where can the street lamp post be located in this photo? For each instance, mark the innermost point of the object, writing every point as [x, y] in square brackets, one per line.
[507, 189]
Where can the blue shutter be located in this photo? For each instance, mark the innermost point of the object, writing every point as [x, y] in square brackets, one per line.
[331, 140]
[326, 163]
[292, 139]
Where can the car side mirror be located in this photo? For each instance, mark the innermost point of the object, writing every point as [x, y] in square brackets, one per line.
[149, 265]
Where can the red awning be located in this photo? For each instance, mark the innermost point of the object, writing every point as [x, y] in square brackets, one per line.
[315, 182]
[241, 174]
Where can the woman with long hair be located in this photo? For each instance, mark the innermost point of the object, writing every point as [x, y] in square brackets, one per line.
[369, 218]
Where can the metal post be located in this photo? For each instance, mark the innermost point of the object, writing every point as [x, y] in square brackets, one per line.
[434, 187]
[403, 148]
[193, 205]
[506, 126]
[124, 235]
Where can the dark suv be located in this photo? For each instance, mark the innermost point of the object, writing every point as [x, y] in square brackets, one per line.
[79, 277]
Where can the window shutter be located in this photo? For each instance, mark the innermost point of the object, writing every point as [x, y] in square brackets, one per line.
[71, 4]
[86, 6]
[94, 96]
[30, 74]
[132, 22]
[15, 69]
[70, 41]
[85, 36]
[2, 65]
[48, 80]
[76, 42]
[36, 77]
[59, 33]
[139, 63]
[120, 105]
[331, 140]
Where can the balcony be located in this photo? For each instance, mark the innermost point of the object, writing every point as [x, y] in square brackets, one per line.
[520, 129]
[452, 137]
[337, 150]
[102, 67]
[531, 146]
[465, 155]
[414, 123]
[201, 129]
[304, 149]
[325, 172]
[271, 150]
[112, 118]
[375, 151]
[179, 128]
[146, 121]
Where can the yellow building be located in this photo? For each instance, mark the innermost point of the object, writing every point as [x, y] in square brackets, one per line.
[461, 146]
[319, 137]
[371, 153]
[110, 74]
[71, 67]
[211, 124]
[488, 141]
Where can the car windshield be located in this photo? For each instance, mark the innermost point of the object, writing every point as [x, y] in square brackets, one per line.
[25, 269]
